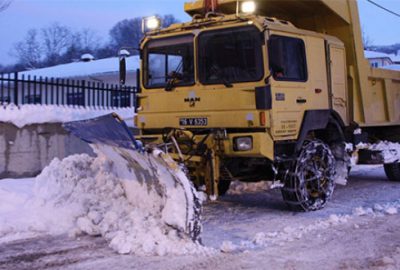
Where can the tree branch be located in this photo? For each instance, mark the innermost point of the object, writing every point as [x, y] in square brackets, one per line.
[4, 4]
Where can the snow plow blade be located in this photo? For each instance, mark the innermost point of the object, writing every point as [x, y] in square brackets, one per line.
[161, 187]
[109, 129]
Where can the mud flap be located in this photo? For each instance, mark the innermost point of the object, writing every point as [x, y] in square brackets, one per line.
[167, 192]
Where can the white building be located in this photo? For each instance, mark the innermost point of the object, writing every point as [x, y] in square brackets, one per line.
[85, 83]
[102, 70]
[378, 59]
[393, 67]
[396, 58]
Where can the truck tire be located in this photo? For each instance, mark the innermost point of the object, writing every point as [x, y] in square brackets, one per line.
[223, 187]
[310, 182]
[392, 171]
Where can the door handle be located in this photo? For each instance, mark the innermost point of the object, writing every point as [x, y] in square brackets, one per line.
[301, 100]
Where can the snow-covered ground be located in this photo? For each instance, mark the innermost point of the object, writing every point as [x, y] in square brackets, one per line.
[34, 114]
[247, 229]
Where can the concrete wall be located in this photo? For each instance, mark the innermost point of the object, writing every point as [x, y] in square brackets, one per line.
[24, 152]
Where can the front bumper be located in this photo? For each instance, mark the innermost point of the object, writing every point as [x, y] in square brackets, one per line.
[262, 144]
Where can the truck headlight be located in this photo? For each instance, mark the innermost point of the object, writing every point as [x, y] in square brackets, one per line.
[151, 23]
[248, 7]
[243, 143]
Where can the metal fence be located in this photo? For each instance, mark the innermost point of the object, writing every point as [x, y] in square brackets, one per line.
[19, 89]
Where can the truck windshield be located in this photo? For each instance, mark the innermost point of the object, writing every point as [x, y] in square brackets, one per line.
[230, 55]
[169, 61]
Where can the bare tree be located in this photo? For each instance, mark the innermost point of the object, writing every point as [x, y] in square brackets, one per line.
[29, 50]
[87, 39]
[128, 33]
[169, 19]
[84, 41]
[367, 41]
[56, 40]
[4, 4]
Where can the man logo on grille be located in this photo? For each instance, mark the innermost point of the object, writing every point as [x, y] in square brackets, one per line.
[192, 99]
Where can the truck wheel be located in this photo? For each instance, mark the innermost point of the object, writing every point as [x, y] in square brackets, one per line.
[310, 183]
[392, 171]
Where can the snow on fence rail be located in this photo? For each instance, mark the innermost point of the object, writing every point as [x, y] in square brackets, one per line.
[20, 90]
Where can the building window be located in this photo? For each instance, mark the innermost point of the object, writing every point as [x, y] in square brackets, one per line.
[76, 98]
[287, 58]
[32, 99]
[120, 99]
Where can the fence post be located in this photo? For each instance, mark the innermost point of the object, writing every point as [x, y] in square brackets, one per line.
[83, 87]
[15, 89]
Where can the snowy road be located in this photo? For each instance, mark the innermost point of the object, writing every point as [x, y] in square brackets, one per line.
[358, 229]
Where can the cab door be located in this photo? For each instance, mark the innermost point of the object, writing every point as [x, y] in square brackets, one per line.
[288, 80]
[338, 81]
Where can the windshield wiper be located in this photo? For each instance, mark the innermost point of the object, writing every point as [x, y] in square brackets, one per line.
[221, 76]
[174, 77]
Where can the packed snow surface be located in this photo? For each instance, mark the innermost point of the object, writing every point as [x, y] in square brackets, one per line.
[34, 114]
[254, 230]
[94, 196]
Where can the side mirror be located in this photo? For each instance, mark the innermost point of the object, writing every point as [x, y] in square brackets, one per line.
[122, 70]
[122, 66]
[138, 81]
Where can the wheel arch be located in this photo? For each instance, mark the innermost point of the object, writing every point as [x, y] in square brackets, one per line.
[327, 124]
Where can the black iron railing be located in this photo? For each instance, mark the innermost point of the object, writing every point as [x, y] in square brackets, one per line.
[19, 89]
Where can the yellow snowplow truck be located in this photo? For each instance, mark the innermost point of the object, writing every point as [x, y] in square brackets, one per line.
[266, 90]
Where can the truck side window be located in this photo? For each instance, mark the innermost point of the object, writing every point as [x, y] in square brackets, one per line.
[169, 58]
[287, 58]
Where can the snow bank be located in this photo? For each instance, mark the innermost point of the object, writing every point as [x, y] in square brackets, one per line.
[34, 114]
[390, 150]
[89, 195]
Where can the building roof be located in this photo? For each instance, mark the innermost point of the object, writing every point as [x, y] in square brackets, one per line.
[83, 69]
[395, 58]
[373, 54]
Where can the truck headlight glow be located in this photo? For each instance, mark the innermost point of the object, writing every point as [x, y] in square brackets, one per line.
[243, 143]
[151, 23]
[248, 7]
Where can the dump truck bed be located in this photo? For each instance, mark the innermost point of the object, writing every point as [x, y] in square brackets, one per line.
[374, 94]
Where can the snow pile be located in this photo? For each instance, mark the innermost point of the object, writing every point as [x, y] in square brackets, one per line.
[228, 247]
[390, 150]
[34, 114]
[289, 234]
[13, 195]
[89, 195]
[24, 216]
[238, 187]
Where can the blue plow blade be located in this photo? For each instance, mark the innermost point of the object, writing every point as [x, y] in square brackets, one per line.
[109, 129]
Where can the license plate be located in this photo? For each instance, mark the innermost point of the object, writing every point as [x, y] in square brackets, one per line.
[201, 121]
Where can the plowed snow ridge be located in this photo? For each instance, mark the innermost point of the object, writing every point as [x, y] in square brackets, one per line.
[82, 194]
